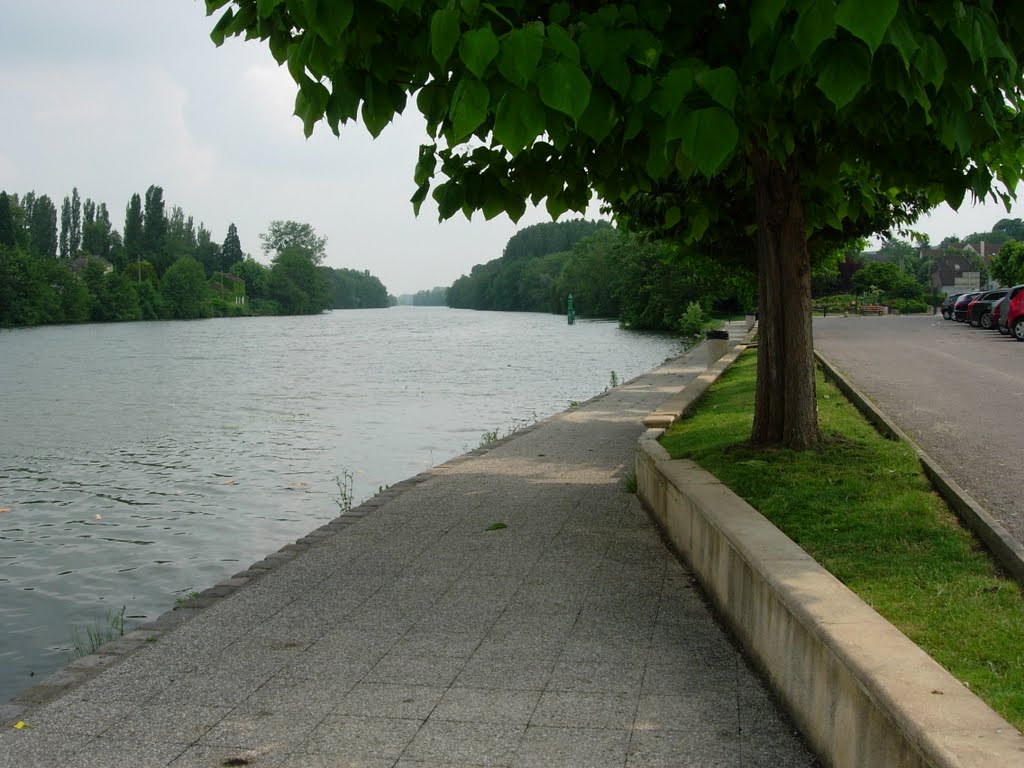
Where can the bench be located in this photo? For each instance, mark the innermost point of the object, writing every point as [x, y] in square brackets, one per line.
[874, 309]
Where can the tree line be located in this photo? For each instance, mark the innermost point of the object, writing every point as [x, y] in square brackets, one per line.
[645, 284]
[78, 267]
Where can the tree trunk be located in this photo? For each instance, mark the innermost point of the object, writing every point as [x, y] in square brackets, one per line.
[785, 411]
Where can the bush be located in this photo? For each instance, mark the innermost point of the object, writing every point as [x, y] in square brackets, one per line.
[909, 307]
[693, 320]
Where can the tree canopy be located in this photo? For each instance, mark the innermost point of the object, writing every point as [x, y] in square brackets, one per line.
[785, 122]
[282, 235]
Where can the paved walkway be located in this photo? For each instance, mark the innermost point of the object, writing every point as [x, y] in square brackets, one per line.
[417, 637]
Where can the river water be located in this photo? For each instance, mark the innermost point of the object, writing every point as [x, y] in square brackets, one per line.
[141, 461]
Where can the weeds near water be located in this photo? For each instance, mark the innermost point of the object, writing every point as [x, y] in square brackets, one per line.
[613, 380]
[345, 481]
[85, 640]
[487, 438]
[185, 598]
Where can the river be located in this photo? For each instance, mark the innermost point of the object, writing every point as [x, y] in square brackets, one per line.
[142, 461]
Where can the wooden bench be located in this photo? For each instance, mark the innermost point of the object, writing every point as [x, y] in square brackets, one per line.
[874, 309]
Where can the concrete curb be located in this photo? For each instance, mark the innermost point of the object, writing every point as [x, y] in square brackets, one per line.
[1008, 552]
[862, 693]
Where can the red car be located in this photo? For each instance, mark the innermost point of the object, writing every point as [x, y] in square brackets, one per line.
[1015, 312]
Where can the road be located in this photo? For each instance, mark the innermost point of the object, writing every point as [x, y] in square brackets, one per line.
[956, 390]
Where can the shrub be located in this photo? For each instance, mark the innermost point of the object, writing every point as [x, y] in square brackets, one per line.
[693, 320]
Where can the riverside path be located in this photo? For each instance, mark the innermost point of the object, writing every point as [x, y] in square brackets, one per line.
[424, 635]
[955, 390]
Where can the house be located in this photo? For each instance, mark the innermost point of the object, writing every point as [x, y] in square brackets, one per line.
[228, 287]
[954, 272]
[80, 261]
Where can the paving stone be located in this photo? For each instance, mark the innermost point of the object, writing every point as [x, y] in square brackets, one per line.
[399, 668]
[385, 700]
[572, 748]
[163, 723]
[361, 737]
[252, 728]
[205, 756]
[479, 705]
[475, 743]
[570, 709]
[117, 753]
[707, 747]
[596, 677]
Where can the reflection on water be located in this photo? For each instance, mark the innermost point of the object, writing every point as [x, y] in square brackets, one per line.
[141, 461]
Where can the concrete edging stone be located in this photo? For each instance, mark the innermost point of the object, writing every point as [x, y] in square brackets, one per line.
[862, 693]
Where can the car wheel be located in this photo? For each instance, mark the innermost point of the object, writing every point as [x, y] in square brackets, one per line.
[945, 315]
[1004, 331]
[986, 321]
[972, 322]
[1018, 329]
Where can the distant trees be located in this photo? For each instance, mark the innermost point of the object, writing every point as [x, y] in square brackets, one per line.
[432, 297]
[645, 285]
[352, 289]
[164, 267]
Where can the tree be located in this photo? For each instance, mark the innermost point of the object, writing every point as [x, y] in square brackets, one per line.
[133, 244]
[1007, 266]
[43, 228]
[282, 235]
[296, 284]
[793, 125]
[1012, 227]
[183, 289]
[255, 275]
[231, 251]
[888, 278]
[8, 238]
[154, 230]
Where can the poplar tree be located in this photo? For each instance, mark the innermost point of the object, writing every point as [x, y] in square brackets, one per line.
[132, 238]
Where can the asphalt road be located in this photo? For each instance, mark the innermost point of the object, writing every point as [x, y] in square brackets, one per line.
[956, 390]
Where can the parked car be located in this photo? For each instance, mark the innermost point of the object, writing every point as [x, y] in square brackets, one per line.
[1015, 312]
[999, 315]
[979, 311]
[960, 307]
[947, 305]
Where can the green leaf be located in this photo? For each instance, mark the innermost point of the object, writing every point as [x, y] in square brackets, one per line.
[598, 118]
[266, 7]
[562, 43]
[672, 217]
[720, 84]
[518, 121]
[444, 34]
[425, 164]
[816, 24]
[220, 28]
[930, 62]
[559, 12]
[867, 20]
[335, 17]
[709, 138]
[901, 37]
[787, 59]
[564, 87]
[846, 70]
[477, 50]
[672, 89]
[616, 73]
[521, 50]
[496, 526]
[469, 107]
[764, 16]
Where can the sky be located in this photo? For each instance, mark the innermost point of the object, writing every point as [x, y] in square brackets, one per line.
[113, 96]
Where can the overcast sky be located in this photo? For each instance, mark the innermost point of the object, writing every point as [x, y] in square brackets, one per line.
[112, 96]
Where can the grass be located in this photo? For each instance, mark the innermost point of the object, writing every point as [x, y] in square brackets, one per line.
[85, 640]
[863, 508]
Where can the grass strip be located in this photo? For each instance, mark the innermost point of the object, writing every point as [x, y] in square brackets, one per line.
[863, 508]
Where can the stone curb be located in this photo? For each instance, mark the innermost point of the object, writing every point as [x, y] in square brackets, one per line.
[862, 693]
[1008, 552]
[84, 668]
